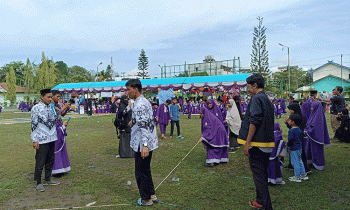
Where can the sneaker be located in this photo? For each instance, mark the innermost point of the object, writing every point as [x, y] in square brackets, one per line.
[143, 202]
[51, 182]
[208, 165]
[304, 177]
[282, 182]
[231, 150]
[294, 179]
[255, 204]
[154, 199]
[40, 188]
[118, 156]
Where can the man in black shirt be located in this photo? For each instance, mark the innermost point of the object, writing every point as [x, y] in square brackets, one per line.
[257, 134]
[338, 102]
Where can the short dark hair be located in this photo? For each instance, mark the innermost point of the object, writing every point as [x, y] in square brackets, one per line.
[134, 83]
[256, 78]
[43, 92]
[174, 99]
[236, 98]
[168, 101]
[340, 89]
[296, 118]
[55, 92]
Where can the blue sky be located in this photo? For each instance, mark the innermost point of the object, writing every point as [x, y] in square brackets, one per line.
[86, 33]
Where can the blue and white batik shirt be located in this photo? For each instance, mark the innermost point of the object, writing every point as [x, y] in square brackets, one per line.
[143, 128]
[43, 124]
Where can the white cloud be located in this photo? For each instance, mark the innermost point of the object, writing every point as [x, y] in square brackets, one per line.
[24, 7]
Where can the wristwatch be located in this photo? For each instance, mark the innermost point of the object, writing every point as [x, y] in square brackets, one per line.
[145, 144]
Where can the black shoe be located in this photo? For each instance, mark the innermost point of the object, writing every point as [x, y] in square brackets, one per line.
[209, 165]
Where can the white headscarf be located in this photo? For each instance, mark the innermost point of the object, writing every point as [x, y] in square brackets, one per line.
[233, 118]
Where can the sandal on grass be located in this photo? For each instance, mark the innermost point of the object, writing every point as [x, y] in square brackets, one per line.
[255, 204]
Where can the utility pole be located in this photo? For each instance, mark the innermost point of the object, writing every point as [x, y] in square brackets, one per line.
[341, 69]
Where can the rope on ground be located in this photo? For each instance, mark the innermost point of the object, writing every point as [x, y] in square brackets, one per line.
[82, 207]
[176, 166]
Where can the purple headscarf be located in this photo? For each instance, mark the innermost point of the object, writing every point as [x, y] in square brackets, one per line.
[316, 126]
[213, 131]
[215, 110]
[306, 110]
[277, 132]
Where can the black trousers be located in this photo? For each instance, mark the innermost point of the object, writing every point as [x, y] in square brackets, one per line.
[259, 162]
[45, 156]
[143, 175]
[177, 126]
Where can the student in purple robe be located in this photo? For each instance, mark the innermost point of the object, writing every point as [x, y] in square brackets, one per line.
[0, 108]
[306, 106]
[154, 109]
[224, 114]
[163, 117]
[181, 102]
[243, 106]
[61, 164]
[283, 103]
[189, 108]
[274, 170]
[214, 109]
[279, 109]
[214, 139]
[317, 133]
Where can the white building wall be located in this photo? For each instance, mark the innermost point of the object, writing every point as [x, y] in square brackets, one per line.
[330, 69]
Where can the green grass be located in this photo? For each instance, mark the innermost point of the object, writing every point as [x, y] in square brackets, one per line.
[92, 142]
[13, 114]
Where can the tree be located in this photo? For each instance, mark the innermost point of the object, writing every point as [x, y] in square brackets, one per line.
[28, 80]
[18, 67]
[42, 74]
[11, 86]
[259, 62]
[143, 65]
[79, 74]
[62, 71]
[53, 71]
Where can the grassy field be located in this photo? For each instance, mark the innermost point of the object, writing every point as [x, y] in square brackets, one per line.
[97, 175]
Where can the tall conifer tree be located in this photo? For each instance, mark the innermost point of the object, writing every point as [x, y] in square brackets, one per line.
[143, 65]
[259, 58]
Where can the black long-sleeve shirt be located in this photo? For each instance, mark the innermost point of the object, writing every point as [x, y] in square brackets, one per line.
[260, 112]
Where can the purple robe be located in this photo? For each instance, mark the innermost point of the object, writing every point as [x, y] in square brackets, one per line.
[163, 114]
[181, 102]
[317, 136]
[306, 108]
[283, 103]
[189, 110]
[243, 107]
[215, 110]
[274, 169]
[155, 114]
[0, 109]
[224, 114]
[215, 138]
[61, 164]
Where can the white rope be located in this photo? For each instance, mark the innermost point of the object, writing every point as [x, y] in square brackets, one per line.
[81, 207]
[176, 166]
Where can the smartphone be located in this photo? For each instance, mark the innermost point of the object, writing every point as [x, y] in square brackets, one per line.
[68, 119]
